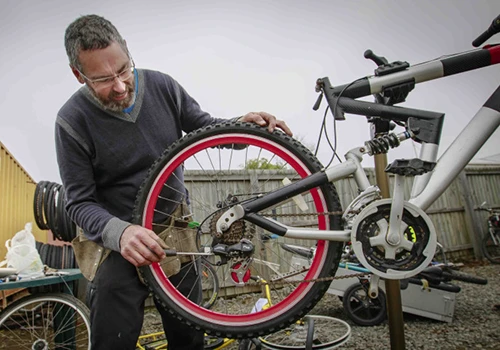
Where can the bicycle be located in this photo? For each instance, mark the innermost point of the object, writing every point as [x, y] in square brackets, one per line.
[45, 321]
[247, 213]
[442, 272]
[490, 243]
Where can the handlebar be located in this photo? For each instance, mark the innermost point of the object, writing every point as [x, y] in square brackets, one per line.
[393, 81]
[488, 33]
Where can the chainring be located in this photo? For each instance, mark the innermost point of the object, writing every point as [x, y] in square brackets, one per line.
[418, 233]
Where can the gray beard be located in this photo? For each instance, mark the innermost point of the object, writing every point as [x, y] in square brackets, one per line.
[114, 106]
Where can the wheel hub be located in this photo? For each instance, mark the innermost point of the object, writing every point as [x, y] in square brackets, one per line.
[40, 344]
[233, 233]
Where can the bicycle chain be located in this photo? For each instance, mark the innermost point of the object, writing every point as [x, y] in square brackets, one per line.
[305, 214]
[277, 282]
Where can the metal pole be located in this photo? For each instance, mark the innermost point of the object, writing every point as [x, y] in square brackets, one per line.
[392, 287]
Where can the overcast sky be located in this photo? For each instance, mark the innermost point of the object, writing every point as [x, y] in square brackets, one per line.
[236, 56]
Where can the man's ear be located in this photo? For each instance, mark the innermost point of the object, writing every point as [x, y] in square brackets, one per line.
[77, 75]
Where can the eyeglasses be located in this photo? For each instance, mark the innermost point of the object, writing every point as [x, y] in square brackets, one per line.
[124, 75]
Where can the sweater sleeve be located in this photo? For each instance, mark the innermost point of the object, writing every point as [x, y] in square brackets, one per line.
[75, 167]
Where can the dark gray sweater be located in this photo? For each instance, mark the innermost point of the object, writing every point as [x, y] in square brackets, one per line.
[103, 156]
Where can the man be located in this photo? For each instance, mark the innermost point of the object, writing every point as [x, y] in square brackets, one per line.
[108, 134]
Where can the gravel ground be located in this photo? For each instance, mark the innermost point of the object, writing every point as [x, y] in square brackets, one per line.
[475, 325]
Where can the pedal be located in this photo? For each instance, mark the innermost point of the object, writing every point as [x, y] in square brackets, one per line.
[410, 167]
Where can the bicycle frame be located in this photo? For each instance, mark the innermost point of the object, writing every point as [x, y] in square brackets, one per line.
[392, 238]
[426, 188]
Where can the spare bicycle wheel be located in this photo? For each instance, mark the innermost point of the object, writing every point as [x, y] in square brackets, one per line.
[312, 332]
[362, 309]
[45, 321]
[490, 244]
[223, 165]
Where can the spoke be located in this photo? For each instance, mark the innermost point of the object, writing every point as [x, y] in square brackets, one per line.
[359, 297]
[359, 308]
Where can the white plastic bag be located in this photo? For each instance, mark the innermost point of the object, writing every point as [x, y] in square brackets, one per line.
[22, 254]
[260, 305]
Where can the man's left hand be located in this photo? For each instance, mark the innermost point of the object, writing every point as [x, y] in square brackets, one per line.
[263, 119]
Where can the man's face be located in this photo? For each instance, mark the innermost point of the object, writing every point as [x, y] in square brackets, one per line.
[98, 65]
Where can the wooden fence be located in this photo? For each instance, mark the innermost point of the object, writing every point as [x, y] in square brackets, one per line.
[458, 225]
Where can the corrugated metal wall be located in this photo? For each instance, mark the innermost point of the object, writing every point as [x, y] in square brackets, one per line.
[17, 189]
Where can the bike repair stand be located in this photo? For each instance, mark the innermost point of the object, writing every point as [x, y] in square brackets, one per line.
[392, 96]
[392, 287]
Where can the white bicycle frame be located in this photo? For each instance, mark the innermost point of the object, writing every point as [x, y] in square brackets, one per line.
[427, 187]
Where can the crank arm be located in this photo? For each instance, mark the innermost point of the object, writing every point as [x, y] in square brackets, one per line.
[394, 235]
[373, 289]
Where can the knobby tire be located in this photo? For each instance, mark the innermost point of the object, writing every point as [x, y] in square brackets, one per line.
[215, 152]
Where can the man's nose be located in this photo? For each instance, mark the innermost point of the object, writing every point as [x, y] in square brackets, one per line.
[118, 85]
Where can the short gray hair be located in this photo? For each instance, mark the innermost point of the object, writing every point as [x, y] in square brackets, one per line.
[90, 32]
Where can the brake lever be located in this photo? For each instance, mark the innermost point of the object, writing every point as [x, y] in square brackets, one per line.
[318, 102]
[323, 85]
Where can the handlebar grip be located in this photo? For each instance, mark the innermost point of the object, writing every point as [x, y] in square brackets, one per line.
[482, 38]
[488, 33]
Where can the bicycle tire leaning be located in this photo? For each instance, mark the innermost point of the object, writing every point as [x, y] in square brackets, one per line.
[46, 321]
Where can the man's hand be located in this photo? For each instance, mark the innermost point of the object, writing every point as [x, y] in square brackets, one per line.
[141, 246]
[263, 119]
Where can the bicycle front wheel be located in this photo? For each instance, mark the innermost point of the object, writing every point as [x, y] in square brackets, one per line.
[491, 246]
[227, 164]
[45, 321]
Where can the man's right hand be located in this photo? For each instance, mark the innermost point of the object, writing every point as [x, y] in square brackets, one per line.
[141, 246]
